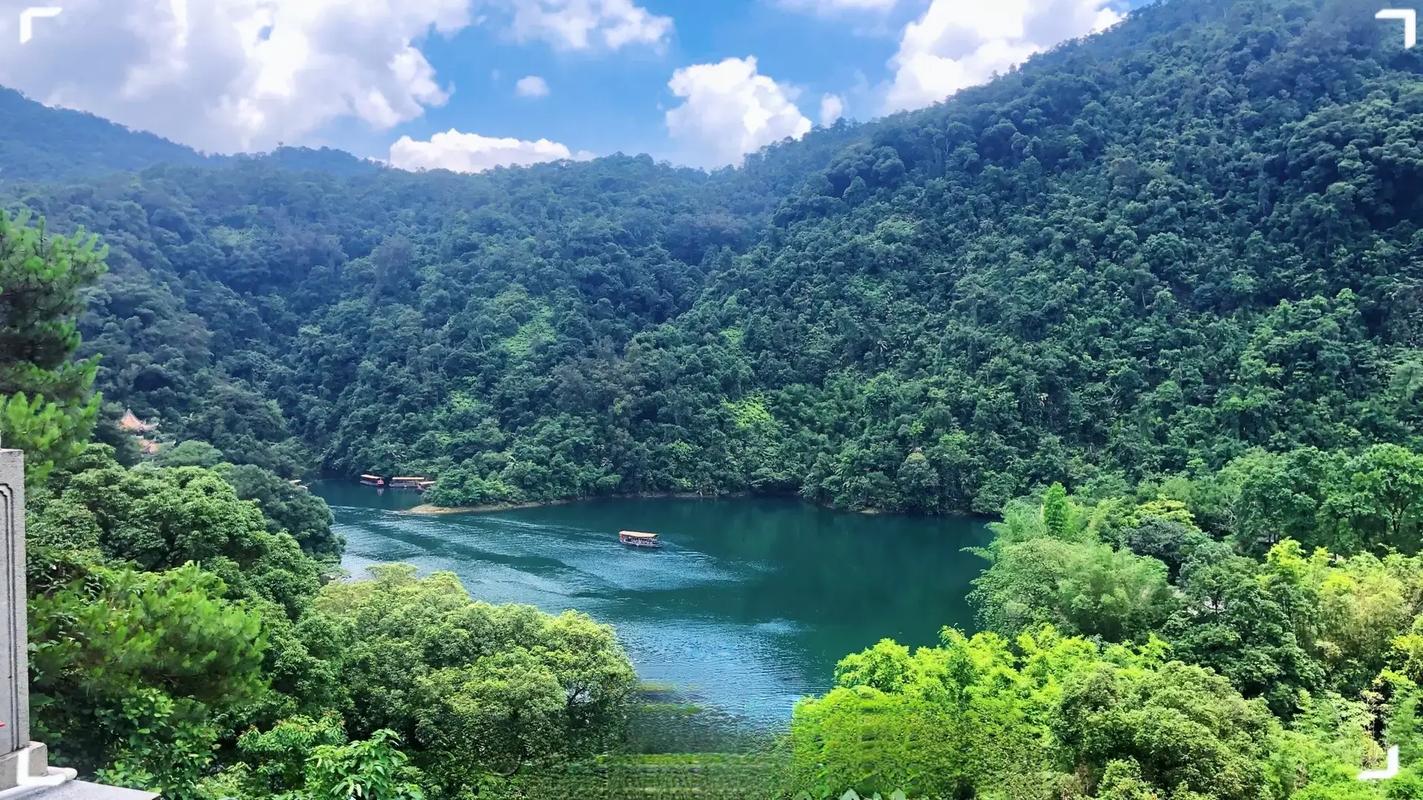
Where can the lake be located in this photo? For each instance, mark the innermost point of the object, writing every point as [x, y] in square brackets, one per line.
[747, 607]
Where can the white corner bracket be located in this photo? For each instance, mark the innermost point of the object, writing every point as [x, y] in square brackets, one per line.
[1390, 768]
[28, 17]
[1410, 23]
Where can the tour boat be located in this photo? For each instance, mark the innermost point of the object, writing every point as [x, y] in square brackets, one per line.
[639, 539]
[373, 480]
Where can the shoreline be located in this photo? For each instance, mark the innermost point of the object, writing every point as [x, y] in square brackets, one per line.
[427, 509]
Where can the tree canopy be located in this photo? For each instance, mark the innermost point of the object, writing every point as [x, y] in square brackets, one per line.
[1167, 245]
[47, 406]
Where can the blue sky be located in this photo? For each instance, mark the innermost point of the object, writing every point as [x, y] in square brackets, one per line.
[607, 103]
[436, 83]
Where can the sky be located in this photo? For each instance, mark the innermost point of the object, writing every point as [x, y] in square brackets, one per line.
[473, 84]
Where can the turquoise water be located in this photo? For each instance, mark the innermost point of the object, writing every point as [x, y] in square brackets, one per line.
[747, 607]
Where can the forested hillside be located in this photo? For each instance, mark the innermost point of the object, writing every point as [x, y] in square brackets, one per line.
[1140, 254]
[46, 144]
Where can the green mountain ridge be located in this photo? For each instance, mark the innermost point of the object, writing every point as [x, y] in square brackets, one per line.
[46, 144]
[43, 143]
[1142, 253]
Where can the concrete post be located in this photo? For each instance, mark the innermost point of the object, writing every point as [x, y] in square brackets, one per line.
[14, 664]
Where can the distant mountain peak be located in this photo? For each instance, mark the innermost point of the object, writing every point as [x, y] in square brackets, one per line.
[45, 143]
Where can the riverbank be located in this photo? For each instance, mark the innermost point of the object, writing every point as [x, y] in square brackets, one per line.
[434, 510]
[426, 509]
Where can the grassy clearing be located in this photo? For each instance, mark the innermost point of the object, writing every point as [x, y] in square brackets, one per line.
[713, 776]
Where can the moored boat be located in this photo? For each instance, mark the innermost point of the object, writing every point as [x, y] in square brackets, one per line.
[639, 539]
[373, 480]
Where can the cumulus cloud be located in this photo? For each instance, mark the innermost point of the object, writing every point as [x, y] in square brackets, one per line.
[832, 108]
[470, 152]
[729, 109]
[531, 86]
[235, 74]
[242, 75]
[957, 44]
[585, 24]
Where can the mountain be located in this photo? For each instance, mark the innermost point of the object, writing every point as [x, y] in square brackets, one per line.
[42, 143]
[1139, 254]
[45, 144]
[325, 159]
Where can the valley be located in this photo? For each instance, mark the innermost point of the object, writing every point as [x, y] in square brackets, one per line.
[1061, 439]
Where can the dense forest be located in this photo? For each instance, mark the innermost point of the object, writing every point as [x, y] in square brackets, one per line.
[1143, 253]
[1154, 300]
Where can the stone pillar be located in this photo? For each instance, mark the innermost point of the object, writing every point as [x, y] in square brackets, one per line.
[14, 664]
[16, 753]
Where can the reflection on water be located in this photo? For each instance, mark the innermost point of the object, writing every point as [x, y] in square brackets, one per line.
[747, 607]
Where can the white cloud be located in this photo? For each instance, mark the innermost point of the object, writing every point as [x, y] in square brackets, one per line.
[470, 152]
[585, 24]
[832, 108]
[729, 109]
[531, 86]
[235, 74]
[242, 75]
[958, 44]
